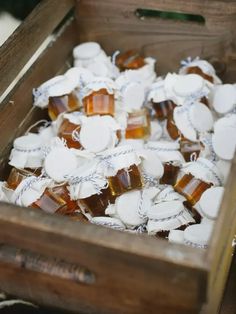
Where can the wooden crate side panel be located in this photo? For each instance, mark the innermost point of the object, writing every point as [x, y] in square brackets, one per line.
[102, 21]
[19, 48]
[16, 111]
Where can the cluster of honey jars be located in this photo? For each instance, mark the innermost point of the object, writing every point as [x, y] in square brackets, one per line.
[128, 149]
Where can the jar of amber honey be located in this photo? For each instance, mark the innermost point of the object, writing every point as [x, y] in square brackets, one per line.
[138, 124]
[161, 105]
[89, 187]
[196, 177]
[98, 97]
[120, 165]
[172, 159]
[58, 95]
[129, 60]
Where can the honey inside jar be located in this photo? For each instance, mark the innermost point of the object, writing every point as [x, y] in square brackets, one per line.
[163, 109]
[60, 104]
[56, 200]
[191, 188]
[66, 131]
[170, 175]
[99, 102]
[125, 180]
[171, 128]
[97, 203]
[129, 60]
[197, 70]
[138, 125]
[16, 176]
[190, 149]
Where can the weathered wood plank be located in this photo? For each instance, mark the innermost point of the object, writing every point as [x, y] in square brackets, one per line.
[27, 38]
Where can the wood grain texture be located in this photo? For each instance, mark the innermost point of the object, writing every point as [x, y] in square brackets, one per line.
[27, 38]
[134, 274]
[157, 37]
[16, 111]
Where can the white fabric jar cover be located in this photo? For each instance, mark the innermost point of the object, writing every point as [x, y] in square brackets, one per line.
[113, 160]
[27, 152]
[167, 216]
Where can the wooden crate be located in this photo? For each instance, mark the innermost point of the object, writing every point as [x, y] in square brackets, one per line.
[86, 268]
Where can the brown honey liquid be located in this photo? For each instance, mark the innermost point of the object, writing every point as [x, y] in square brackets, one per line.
[59, 104]
[66, 131]
[195, 214]
[138, 125]
[163, 109]
[188, 148]
[197, 70]
[170, 174]
[56, 200]
[99, 102]
[171, 128]
[16, 176]
[129, 60]
[191, 188]
[96, 204]
[125, 180]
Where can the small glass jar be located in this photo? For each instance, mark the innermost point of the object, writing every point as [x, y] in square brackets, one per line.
[196, 178]
[171, 158]
[98, 97]
[138, 125]
[56, 200]
[58, 94]
[99, 102]
[197, 70]
[64, 103]
[120, 165]
[129, 60]
[97, 203]
[69, 130]
[16, 176]
[161, 105]
[89, 187]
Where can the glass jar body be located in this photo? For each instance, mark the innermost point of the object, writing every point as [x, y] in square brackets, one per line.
[138, 125]
[163, 109]
[170, 175]
[60, 104]
[68, 130]
[99, 103]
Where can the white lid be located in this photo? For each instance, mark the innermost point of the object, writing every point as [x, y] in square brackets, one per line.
[28, 142]
[185, 88]
[128, 208]
[109, 222]
[193, 119]
[95, 136]
[86, 50]
[198, 235]
[157, 92]
[151, 164]
[133, 95]
[135, 144]
[73, 117]
[156, 131]
[188, 84]
[228, 121]
[210, 201]
[30, 190]
[224, 98]
[165, 210]
[80, 76]
[205, 170]
[224, 142]
[166, 151]
[120, 157]
[59, 163]
[86, 181]
[168, 194]
[176, 236]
